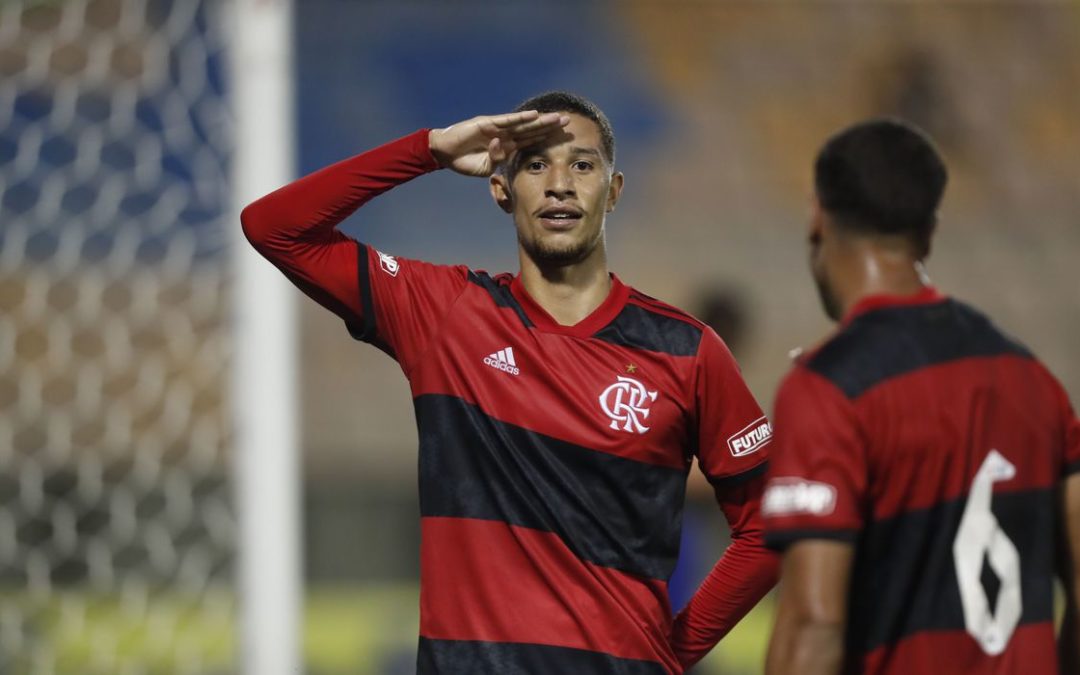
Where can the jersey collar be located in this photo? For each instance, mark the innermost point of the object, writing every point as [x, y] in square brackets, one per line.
[600, 317]
[928, 295]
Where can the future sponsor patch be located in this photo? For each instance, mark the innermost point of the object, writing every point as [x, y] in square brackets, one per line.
[797, 496]
[751, 437]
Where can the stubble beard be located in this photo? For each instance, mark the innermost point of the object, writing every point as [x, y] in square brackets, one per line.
[829, 302]
[549, 254]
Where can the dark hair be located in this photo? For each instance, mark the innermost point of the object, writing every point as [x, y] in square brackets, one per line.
[882, 176]
[564, 101]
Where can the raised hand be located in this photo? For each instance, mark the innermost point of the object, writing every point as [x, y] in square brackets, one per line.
[476, 146]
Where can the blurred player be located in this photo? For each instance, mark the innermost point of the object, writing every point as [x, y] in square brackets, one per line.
[558, 410]
[921, 482]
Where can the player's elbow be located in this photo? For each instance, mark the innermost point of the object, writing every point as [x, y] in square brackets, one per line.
[805, 646]
[813, 613]
[804, 609]
[255, 225]
[818, 620]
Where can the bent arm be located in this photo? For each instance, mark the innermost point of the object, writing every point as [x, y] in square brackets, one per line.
[742, 576]
[808, 637]
[294, 227]
[1069, 571]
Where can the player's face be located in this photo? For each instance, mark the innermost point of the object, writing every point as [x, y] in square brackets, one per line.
[559, 193]
[820, 255]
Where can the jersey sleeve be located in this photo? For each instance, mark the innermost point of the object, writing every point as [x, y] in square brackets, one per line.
[733, 433]
[404, 302]
[396, 304]
[817, 479]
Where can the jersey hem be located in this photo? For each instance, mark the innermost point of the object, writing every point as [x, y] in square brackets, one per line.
[734, 480]
[780, 541]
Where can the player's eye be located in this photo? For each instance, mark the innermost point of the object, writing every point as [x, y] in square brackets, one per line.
[534, 165]
[583, 165]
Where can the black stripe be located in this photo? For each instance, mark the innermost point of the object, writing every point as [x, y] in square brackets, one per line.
[500, 294]
[728, 482]
[366, 332]
[904, 576]
[461, 657]
[638, 328]
[608, 510]
[658, 304]
[894, 341]
[1072, 467]
[782, 539]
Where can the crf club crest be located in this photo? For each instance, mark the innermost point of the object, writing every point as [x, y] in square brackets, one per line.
[627, 404]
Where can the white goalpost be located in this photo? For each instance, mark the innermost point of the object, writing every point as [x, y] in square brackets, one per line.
[266, 467]
[149, 474]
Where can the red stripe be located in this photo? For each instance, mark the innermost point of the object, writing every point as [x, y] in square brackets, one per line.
[1031, 651]
[558, 389]
[494, 582]
[937, 460]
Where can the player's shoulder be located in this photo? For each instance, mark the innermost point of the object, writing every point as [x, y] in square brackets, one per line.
[891, 341]
[661, 308]
[647, 323]
[802, 384]
[497, 288]
[485, 279]
[403, 267]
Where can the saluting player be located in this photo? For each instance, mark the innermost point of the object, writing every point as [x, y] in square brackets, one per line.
[558, 409]
[922, 482]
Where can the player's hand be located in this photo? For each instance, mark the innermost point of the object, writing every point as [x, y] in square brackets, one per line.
[475, 147]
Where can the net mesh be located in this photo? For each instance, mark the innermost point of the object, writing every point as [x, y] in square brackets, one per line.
[116, 525]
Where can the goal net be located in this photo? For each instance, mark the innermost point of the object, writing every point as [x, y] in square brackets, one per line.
[116, 519]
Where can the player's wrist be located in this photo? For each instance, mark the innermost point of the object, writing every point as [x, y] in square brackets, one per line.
[435, 149]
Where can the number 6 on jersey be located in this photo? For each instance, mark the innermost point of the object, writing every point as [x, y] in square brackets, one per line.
[980, 537]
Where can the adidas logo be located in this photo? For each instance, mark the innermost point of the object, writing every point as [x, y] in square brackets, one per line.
[503, 360]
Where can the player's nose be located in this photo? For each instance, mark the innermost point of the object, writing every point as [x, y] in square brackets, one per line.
[560, 182]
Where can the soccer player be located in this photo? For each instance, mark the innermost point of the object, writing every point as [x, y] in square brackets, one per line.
[558, 409]
[922, 483]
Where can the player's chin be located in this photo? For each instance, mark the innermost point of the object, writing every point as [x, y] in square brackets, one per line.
[559, 249]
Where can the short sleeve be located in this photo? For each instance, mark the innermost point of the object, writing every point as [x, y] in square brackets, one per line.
[404, 302]
[733, 432]
[817, 479]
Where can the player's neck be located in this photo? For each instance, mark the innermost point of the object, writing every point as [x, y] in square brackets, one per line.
[569, 293]
[869, 272]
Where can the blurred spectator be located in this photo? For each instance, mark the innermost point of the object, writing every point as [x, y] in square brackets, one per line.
[910, 87]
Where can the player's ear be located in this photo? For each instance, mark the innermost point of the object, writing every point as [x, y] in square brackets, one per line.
[614, 190]
[500, 191]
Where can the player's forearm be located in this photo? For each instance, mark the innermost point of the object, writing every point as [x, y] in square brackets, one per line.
[1069, 640]
[1069, 635]
[307, 210]
[806, 646]
[745, 573]
[1068, 566]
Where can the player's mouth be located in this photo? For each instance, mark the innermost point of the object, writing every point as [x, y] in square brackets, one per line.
[560, 218]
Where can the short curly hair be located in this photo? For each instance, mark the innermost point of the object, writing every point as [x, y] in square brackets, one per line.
[882, 176]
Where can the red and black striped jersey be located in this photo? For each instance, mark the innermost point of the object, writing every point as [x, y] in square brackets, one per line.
[934, 444]
[553, 464]
[553, 459]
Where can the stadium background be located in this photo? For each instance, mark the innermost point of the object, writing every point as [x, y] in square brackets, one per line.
[117, 524]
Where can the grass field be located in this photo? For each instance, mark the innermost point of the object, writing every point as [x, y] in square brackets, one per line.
[348, 630]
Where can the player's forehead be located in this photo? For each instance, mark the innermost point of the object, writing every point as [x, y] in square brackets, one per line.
[580, 135]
